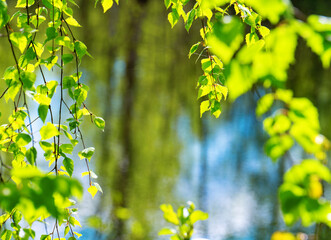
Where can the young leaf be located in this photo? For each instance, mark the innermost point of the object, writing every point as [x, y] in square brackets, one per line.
[73, 221]
[42, 112]
[198, 216]
[48, 131]
[78, 234]
[19, 40]
[92, 190]
[193, 49]
[190, 19]
[222, 90]
[81, 49]
[204, 106]
[73, 22]
[45, 237]
[69, 165]
[264, 104]
[51, 33]
[98, 187]
[264, 31]
[167, 3]
[99, 122]
[4, 17]
[31, 155]
[86, 153]
[80, 95]
[169, 214]
[173, 17]
[106, 4]
[28, 79]
[66, 230]
[67, 58]
[22, 139]
[167, 231]
[66, 148]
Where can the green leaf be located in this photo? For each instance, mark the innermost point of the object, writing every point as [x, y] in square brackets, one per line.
[28, 79]
[45, 237]
[23, 139]
[190, 19]
[167, 3]
[264, 104]
[6, 235]
[92, 190]
[251, 38]
[31, 155]
[206, 65]
[226, 38]
[80, 95]
[98, 187]
[48, 131]
[17, 216]
[27, 57]
[78, 234]
[66, 230]
[204, 90]
[169, 214]
[81, 49]
[19, 40]
[67, 58]
[4, 17]
[68, 82]
[22, 3]
[42, 112]
[51, 85]
[99, 122]
[29, 232]
[86, 153]
[277, 146]
[42, 99]
[67, 148]
[193, 49]
[215, 108]
[69, 165]
[173, 17]
[222, 90]
[73, 22]
[198, 216]
[49, 62]
[204, 106]
[167, 231]
[51, 33]
[64, 41]
[264, 31]
[106, 4]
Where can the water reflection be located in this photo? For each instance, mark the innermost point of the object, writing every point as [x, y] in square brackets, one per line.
[239, 182]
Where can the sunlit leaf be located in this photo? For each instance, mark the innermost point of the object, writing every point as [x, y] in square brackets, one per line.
[204, 106]
[86, 153]
[99, 122]
[19, 40]
[92, 190]
[48, 131]
[73, 22]
[193, 49]
[167, 231]
[169, 214]
[69, 165]
[106, 4]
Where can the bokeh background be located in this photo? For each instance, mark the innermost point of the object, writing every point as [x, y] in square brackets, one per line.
[156, 149]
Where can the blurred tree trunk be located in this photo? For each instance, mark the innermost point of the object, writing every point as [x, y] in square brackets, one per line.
[124, 169]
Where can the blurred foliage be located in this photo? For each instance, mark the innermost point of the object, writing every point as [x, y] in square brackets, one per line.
[142, 70]
[184, 220]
